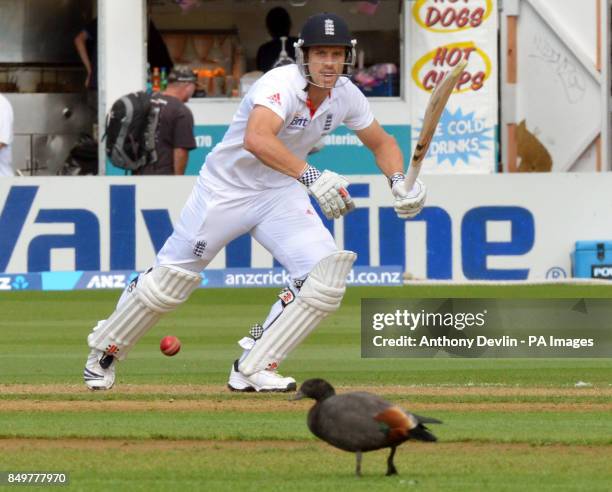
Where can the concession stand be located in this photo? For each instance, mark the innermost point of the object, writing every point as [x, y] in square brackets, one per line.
[219, 40]
[42, 77]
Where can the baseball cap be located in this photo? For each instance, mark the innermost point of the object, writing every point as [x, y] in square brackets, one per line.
[182, 75]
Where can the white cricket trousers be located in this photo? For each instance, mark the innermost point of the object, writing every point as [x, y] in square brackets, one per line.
[282, 220]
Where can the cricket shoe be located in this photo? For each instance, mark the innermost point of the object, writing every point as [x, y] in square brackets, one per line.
[262, 381]
[99, 372]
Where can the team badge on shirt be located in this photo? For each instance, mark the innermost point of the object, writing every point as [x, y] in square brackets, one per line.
[328, 122]
[199, 248]
[275, 99]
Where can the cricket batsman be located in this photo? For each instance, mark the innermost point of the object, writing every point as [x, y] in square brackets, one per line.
[256, 180]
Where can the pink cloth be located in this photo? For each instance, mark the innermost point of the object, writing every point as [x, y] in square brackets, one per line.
[186, 5]
[367, 7]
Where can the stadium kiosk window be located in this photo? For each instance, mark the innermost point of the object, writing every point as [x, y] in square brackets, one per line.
[219, 39]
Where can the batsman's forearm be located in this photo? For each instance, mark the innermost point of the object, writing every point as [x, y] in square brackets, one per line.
[273, 153]
[389, 158]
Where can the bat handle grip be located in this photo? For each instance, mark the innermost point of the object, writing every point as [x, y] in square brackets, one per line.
[413, 173]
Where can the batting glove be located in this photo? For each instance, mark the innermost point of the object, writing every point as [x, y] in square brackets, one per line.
[408, 203]
[329, 190]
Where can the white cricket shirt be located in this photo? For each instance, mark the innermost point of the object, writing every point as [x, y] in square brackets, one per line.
[283, 91]
[6, 137]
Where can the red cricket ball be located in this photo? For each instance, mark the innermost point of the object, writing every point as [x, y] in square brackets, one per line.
[170, 345]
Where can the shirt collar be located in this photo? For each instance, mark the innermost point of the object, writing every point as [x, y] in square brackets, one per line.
[300, 84]
[323, 106]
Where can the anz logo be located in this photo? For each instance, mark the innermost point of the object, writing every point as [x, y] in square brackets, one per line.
[17, 283]
[298, 121]
[107, 282]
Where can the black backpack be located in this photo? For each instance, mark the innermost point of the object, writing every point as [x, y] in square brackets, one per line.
[130, 130]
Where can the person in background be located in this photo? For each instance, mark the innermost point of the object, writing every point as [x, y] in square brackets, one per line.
[6, 137]
[86, 43]
[278, 23]
[174, 136]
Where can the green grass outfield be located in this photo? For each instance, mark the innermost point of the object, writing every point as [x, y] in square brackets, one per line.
[510, 424]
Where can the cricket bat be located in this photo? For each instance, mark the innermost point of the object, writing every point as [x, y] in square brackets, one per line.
[434, 109]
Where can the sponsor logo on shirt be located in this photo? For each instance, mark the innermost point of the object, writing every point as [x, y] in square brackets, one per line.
[275, 99]
[298, 121]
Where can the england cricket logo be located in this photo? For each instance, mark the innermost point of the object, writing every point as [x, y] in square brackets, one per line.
[329, 27]
[328, 122]
[199, 248]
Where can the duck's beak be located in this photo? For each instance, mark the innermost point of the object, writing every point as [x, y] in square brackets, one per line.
[298, 396]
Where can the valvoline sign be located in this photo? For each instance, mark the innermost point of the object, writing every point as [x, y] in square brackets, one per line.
[103, 224]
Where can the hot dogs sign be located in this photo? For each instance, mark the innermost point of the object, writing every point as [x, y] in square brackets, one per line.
[444, 32]
[452, 15]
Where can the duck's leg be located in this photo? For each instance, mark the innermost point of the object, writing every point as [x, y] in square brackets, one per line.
[391, 470]
[358, 463]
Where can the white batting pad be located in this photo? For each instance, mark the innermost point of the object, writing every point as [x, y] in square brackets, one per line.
[320, 295]
[157, 292]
